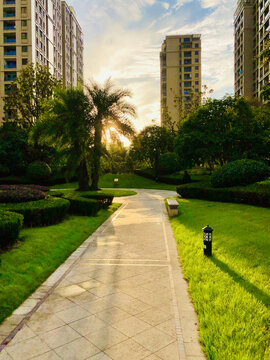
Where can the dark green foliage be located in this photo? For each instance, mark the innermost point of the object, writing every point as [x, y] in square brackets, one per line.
[168, 164]
[186, 178]
[241, 172]
[243, 195]
[39, 170]
[58, 194]
[82, 206]
[19, 194]
[10, 225]
[41, 212]
[175, 179]
[4, 170]
[105, 200]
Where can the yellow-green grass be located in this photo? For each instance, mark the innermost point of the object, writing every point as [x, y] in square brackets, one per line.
[130, 181]
[231, 290]
[38, 253]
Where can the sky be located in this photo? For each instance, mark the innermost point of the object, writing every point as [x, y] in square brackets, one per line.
[122, 40]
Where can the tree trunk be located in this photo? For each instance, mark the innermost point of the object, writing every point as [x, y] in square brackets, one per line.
[83, 177]
[96, 157]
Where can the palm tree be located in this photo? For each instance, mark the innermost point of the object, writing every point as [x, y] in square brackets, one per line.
[67, 124]
[110, 109]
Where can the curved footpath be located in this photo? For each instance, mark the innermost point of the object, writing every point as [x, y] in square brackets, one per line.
[120, 296]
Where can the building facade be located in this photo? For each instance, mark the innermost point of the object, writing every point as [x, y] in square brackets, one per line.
[33, 32]
[251, 31]
[180, 72]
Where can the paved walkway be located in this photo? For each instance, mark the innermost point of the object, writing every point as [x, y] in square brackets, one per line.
[120, 296]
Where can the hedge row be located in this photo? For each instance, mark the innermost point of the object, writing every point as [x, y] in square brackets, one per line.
[148, 173]
[20, 194]
[233, 195]
[105, 200]
[40, 213]
[18, 180]
[10, 225]
[82, 206]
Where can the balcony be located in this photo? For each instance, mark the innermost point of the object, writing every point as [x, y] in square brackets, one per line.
[187, 69]
[9, 38]
[9, 50]
[9, 25]
[10, 76]
[9, 12]
[10, 64]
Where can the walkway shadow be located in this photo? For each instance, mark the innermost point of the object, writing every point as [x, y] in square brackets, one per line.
[252, 289]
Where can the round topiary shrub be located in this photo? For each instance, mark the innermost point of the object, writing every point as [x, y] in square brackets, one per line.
[40, 213]
[10, 225]
[20, 194]
[4, 170]
[39, 171]
[240, 172]
[168, 164]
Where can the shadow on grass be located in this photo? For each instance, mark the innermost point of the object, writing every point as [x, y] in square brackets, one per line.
[252, 289]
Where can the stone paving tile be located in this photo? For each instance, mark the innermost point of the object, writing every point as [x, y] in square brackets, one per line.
[152, 357]
[169, 352]
[59, 336]
[4, 356]
[90, 284]
[106, 337]
[50, 355]
[42, 322]
[153, 339]
[112, 315]
[128, 349]
[54, 304]
[131, 326]
[133, 307]
[96, 306]
[79, 349]
[100, 356]
[168, 327]
[193, 349]
[154, 316]
[88, 325]
[72, 314]
[70, 291]
[27, 333]
[83, 298]
[27, 349]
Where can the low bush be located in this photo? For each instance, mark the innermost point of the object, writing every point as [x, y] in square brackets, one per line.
[56, 193]
[40, 213]
[39, 170]
[4, 171]
[10, 225]
[105, 200]
[175, 179]
[82, 206]
[19, 194]
[204, 191]
[168, 164]
[240, 172]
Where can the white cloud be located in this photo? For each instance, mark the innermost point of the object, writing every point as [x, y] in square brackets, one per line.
[166, 5]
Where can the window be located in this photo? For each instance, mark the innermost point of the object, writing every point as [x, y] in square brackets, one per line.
[9, 38]
[196, 52]
[24, 36]
[10, 76]
[24, 61]
[196, 75]
[23, 10]
[196, 60]
[187, 69]
[9, 50]
[196, 82]
[24, 23]
[196, 67]
[186, 39]
[187, 54]
[24, 49]
[187, 84]
[196, 45]
[9, 12]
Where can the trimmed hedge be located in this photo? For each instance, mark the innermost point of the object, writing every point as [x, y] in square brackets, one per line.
[19, 194]
[10, 225]
[169, 179]
[105, 200]
[40, 213]
[233, 195]
[82, 206]
[240, 172]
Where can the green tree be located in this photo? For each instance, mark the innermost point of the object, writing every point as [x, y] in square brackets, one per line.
[265, 61]
[109, 109]
[25, 102]
[221, 131]
[67, 124]
[151, 142]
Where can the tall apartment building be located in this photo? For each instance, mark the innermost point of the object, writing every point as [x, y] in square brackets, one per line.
[72, 39]
[180, 70]
[31, 31]
[251, 30]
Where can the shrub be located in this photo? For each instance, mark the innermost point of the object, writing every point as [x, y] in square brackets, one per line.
[82, 206]
[240, 172]
[4, 171]
[39, 170]
[40, 213]
[105, 200]
[19, 194]
[235, 195]
[37, 187]
[168, 164]
[56, 193]
[10, 225]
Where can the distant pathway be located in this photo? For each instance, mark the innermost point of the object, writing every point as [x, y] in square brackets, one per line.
[120, 296]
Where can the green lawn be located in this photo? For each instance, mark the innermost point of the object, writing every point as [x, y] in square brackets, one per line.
[231, 290]
[38, 253]
[131, 181]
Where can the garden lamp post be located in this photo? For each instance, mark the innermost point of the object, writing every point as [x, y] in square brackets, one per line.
[207, 240]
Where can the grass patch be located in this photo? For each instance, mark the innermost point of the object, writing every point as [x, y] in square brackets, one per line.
[130, 181]
[115, 193]
[38, 253]
[231, 290]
